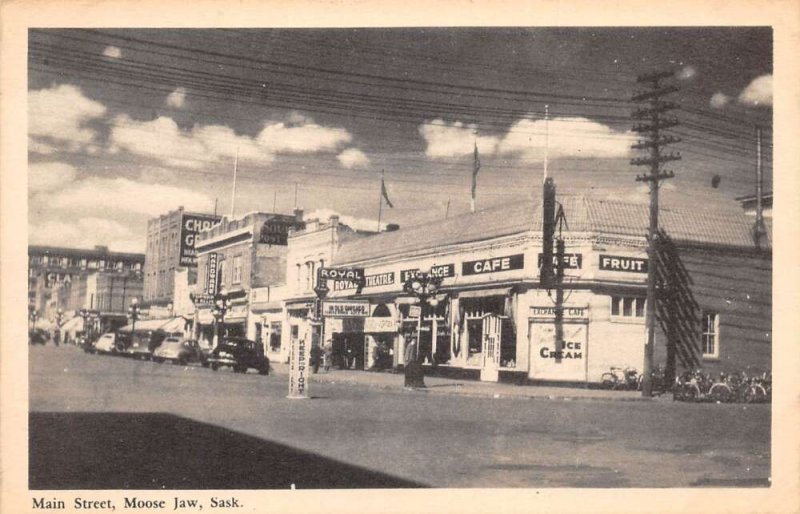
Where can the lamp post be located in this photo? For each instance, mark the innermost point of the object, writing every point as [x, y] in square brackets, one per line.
[133, 313]
[33, 314]
[59, 317]
[423, 285]
[220, 308]
[84, 313]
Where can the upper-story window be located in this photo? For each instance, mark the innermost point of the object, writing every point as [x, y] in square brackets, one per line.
[297, 277]
[710, 335]
[628, 307]
[237, 269]
[310, 267]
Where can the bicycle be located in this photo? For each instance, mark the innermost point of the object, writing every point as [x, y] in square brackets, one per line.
[620, 378]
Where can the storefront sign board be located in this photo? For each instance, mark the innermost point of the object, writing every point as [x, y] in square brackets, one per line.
[549, 363]
[372, 325]
[345, 309]
[549, 312]
[493, 265]
[191, 225]
[380, 279]
[299, 360]
[351, 274]
[441, 271]
[571, 260]
[623, 263]
[211, 274]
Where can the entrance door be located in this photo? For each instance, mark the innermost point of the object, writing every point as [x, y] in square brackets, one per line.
[492, 331]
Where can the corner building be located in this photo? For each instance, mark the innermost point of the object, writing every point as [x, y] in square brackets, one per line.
[493, 320]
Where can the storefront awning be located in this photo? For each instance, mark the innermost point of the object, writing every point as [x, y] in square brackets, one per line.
[483, 293]
[266, 307]
[175, 325]
[73, 325]
[146, 324]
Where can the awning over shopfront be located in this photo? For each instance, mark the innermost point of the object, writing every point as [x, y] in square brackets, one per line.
[483, 293]
[236, 314]
[177, 324]
[146, 324]
[73, 325]
[259, 307]
[205, 317]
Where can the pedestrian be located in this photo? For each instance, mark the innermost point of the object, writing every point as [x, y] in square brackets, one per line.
[327, 356]
[413, 369]
[316, 357]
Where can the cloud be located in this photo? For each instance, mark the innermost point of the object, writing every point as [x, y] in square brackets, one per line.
[162, 139]
[566, 137]
[719, 100]
[353, 158]
[686, 73]
[300, 134]
[112, 52]
[47, 176]
[454, 139]
[104, 195]
[177, 98]
[758, 92]
[86, 233]
[356, 223]
[60, 114]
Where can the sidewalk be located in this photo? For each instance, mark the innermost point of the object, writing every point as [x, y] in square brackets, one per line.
[473, 388]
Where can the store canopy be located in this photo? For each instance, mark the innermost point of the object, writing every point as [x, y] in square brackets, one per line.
[73, 325]
[483, 293]
[174, 325]
[146, 324]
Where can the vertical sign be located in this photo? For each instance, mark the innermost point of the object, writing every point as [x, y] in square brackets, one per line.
[191, 225]
[299, 360]
[211, 274]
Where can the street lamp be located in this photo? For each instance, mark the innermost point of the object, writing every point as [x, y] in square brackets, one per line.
[84, 313]
[220, 308]
[133, 312]
[59, 317]
[424, 286]
[33, 314]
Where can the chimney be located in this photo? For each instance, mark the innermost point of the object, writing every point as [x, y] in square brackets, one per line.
[298, 214]
[334, 220]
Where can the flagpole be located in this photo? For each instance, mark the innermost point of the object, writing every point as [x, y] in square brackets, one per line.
[380, 201]
[546, 140]
[233, 192]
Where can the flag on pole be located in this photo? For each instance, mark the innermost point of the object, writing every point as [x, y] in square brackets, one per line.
[475, 168]
[385, 194]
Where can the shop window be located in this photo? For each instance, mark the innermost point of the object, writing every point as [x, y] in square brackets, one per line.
[710, 335]
[508, 345]
[629, 307]
[275, 336]
[475, 338]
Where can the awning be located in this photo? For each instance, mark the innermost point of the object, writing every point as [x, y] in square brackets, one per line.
[266, 306]
[175, 325]
[205, 317]
[146, 324]
[483, 293]
[73, 325]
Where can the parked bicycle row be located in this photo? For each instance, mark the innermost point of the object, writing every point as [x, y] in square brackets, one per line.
[695, 385]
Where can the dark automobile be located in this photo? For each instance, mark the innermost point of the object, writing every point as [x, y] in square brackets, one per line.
[240, 354]
[141, 343]
[179, 351]
[38, 336]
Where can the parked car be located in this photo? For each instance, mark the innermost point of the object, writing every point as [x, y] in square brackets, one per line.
[240, 354]
[38, 336]
[179, 351]
[141, 343]
[106, 343]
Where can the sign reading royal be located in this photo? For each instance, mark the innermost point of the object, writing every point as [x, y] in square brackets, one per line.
[352, 274]
[345, 309]
[211, 274]
[620, 263]
[191, 225]
[493, 265]
[441, 271]
[570, 261]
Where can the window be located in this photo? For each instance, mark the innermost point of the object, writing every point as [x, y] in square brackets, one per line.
[710, 335]
[309, 275]
[627, 307]
[275, 336]
[237, 269]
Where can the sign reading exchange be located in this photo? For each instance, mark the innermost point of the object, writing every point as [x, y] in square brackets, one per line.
[620, 263]
[494, 265]
[441, 271]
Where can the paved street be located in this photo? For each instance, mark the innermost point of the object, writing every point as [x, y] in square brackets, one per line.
[105, 422]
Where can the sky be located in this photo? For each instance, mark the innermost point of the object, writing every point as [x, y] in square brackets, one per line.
[125, 125]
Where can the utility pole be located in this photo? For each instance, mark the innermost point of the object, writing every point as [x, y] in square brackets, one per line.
[653, 140]
[760, 230]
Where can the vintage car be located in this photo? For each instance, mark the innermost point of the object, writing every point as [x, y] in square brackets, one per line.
[240, 354]
[179, 351]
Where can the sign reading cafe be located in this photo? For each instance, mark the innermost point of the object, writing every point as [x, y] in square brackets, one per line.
[493, 265]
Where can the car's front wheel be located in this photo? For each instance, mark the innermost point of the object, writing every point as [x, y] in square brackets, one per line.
[214, 366]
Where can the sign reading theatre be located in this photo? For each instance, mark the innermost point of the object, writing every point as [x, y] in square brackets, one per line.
[621, 263]
[494, 265]
[191, 225]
